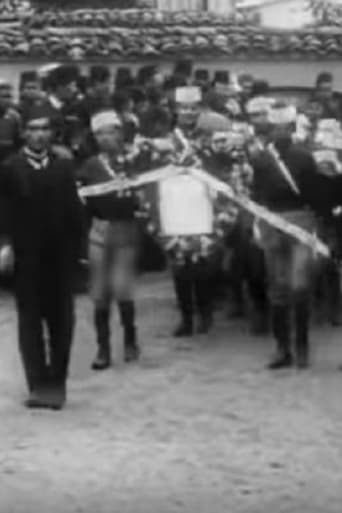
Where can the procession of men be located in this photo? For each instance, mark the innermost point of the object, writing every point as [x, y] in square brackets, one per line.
[260, 191]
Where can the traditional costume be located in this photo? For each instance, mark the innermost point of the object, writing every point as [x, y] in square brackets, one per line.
[287, 182]
[113, 246]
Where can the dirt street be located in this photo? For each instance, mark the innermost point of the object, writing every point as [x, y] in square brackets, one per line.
[205, 429]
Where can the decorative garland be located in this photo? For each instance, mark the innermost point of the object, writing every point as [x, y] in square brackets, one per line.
[243, 202]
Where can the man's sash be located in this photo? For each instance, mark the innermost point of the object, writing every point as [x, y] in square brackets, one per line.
[284, 170]
[260, 212]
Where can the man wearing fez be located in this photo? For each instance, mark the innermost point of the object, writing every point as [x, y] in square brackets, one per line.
[30, 91]
[113, 241]
[98, 95]
[61, 86]
[324, 93]
[45, 232]
[287, 182]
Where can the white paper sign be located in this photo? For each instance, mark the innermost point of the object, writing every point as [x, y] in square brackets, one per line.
[185, 207]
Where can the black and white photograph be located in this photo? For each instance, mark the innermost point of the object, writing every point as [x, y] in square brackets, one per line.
[170, 256]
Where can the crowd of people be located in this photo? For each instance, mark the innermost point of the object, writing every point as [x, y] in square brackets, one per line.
[72, 153]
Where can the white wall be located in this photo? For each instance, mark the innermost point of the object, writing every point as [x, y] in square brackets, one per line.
[180, 5]
[221, 6]
[289, 14]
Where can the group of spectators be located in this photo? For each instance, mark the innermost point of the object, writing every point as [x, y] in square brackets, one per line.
[144, 100]
[106, 129]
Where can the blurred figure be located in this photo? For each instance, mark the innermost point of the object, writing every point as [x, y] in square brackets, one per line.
[6, 96]
[10, 142]
[30, 89]
[324, 93]
[246, 83]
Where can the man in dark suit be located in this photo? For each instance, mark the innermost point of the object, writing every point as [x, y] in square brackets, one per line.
[45, 229]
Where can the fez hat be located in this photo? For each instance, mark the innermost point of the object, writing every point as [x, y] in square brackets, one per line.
[201, 75]
[99, 73]
[138, 94]
[221, 76]
[146, 73]
[120, 100]
[28, 76]
[64, 75]
[39, 111]
[183, 67]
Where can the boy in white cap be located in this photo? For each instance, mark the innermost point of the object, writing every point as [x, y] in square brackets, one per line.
[113, 242]
[287, 182]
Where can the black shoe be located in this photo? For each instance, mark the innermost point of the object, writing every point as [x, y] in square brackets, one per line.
[132, 350]
[37, 400]
[260, 325]
[56, 396]
[302, 362]
[302, 336]
[236, 312]
[132, 353]
[281, 362]
[205, 324]
[335, 319]
[102, 360]
[185, 329]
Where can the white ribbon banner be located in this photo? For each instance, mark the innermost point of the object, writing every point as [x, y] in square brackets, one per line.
[260, 212]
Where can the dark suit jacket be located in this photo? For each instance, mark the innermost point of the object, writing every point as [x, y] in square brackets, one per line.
[46, 213]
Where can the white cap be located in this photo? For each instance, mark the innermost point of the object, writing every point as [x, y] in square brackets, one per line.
[329, 134]
[260, 105]
[105, 119]
[329, 125]
[188, 95]
[282, 115]
[222, 136]
[5, 83]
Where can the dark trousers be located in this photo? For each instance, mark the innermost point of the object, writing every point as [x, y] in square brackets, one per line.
[45, 297]
[248, 266]
[193, 284]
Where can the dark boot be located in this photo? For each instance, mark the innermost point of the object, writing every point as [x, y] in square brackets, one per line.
[183, 284]
[204, 297]
[127, 316]
[54, 396]
[185, 327]
[37, 399]
[282, 333]
[205, 323]
[259, 321]
[237, 306]
[103, 357]
[334, 294]
[302, 335]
